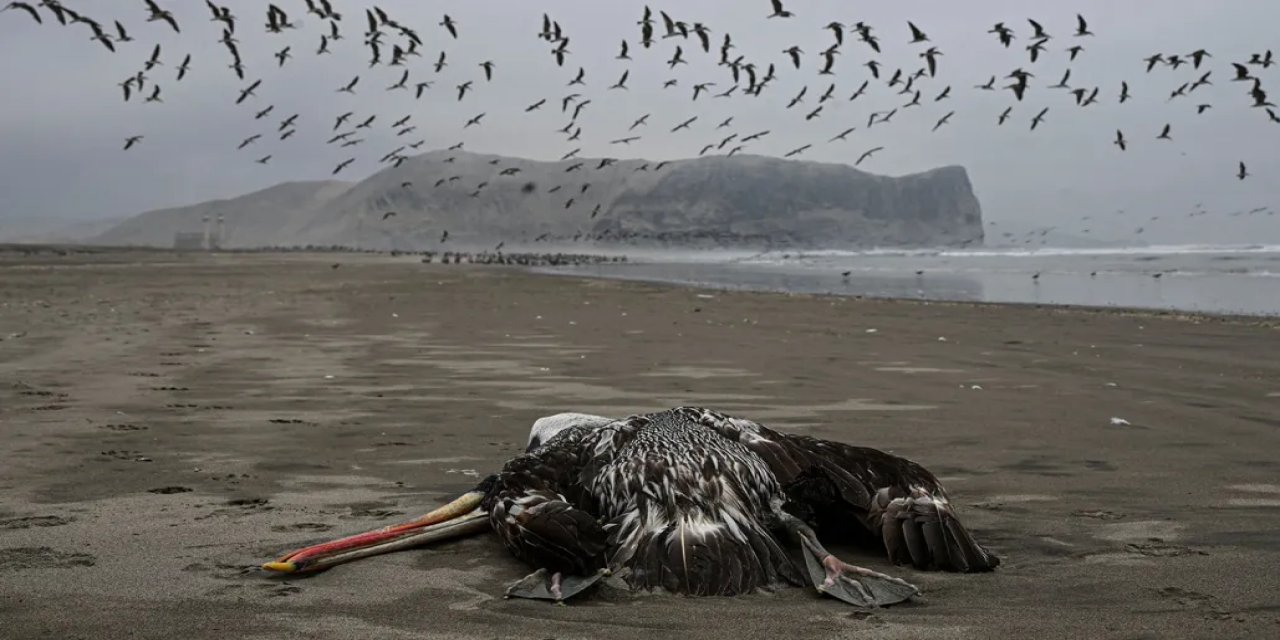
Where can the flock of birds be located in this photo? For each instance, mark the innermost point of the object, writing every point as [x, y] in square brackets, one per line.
[392, 44]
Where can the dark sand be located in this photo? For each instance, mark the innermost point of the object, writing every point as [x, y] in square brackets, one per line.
[169, 422]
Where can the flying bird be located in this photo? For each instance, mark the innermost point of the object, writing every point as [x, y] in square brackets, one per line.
[1039, 118]
[931, 59]
[1119, 141]
[843, 134]
[867, 155]
[1082, 27]
[622, 84]
[158, 14]
[794, 52]
[35, 15]
[1004, 33]
[797, 151]
[1039, 32]
[131, 141]
[916, 34]
[248, 91]
[778, 11]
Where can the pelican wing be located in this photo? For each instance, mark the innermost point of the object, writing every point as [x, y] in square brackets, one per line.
[834, 485]
[687, 510]
[534, 508]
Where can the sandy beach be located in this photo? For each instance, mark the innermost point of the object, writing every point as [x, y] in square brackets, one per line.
[170, 421]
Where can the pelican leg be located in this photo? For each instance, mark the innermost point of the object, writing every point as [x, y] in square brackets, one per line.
[855, 585]
[546, 585]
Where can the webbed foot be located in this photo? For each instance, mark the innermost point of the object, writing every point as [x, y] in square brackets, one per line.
[855, 585]
[558, 587]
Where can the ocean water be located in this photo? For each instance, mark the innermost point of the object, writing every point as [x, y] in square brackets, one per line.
[1243, 280]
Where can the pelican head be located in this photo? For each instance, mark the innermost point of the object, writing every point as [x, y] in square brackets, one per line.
[544, 429]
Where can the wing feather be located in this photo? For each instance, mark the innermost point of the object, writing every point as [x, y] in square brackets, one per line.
[888, 497]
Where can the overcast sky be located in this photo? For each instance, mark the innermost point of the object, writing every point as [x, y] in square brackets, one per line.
[63, 121]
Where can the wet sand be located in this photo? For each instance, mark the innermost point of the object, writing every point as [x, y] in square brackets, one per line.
[170, 421]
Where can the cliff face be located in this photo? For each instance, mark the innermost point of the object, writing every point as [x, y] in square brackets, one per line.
[720, 201]
[806, 203]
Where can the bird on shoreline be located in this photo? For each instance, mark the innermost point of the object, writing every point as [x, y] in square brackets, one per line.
[694, 502]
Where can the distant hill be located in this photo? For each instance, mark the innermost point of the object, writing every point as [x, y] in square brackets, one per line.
[262, 218]
[720, 201]
[53, 230]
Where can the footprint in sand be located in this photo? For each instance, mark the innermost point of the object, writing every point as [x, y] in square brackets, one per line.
[376, 511]
[223, 570]
[132, 456]
[301, 526]
[291, 421]
[1098, 514]
[41, 393]
[17, 558]
[170, 490]
[1158, 548]
[1209, 606]
[248, 503]
[124, 427]
[34, 521]
[280, 591]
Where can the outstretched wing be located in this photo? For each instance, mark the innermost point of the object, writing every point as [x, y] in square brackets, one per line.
[534, 508]
[831, 484]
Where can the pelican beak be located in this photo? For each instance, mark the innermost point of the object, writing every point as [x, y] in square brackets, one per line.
[459, 518]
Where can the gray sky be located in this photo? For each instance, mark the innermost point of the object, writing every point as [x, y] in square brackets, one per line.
[63, 122]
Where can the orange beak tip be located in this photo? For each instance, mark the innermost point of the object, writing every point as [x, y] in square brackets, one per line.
[280, 567]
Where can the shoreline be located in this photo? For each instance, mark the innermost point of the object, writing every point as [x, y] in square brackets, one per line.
[9, 251]
[1262, 320]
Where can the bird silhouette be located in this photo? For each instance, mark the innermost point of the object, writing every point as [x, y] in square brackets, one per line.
[1082, 27]
[916, 34]
[778, 11]
[1035, 122]
[449, 25]
[867, 155]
